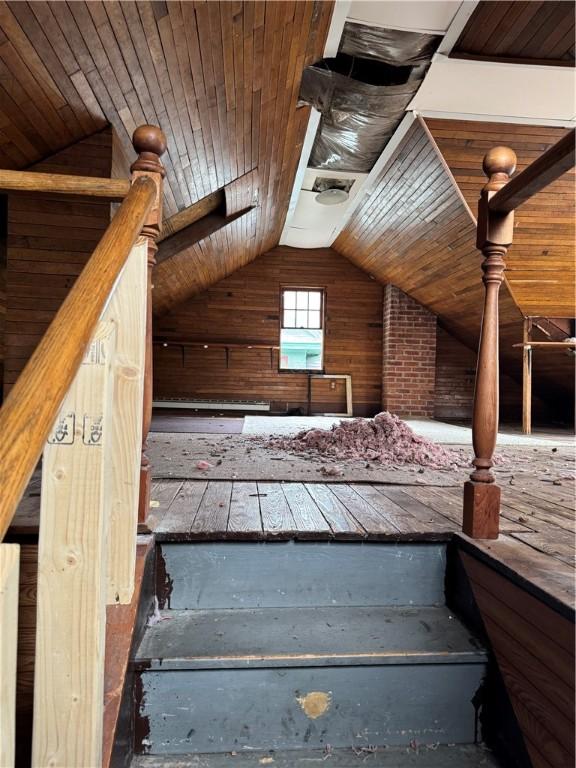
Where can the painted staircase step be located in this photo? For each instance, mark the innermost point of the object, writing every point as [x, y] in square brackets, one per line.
[284, 574]
[319, 636]
[224, 710]
[455, 756]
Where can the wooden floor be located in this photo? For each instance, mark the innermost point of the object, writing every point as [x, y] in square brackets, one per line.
[537, 522]
[537, 541]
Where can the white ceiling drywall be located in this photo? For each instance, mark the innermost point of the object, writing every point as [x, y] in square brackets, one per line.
[313, 225]
[432, 16]
[485, 89]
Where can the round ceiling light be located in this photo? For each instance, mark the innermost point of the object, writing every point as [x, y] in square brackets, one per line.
[332, 197]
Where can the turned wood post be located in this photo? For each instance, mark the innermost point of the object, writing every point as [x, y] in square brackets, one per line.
[150, 143]
[527, 377]
[494, 236]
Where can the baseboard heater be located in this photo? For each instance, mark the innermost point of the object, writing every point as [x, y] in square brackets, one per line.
[214, 405]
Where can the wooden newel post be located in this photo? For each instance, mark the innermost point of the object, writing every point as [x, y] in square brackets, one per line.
[495, 230]
[150, 144]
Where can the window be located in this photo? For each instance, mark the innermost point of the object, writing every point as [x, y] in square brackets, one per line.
[301, 333]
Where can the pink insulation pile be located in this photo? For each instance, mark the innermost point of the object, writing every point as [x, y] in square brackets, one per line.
[385, 439]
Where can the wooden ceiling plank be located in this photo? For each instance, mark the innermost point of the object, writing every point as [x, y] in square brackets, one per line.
[202, 26]
[25, 13]
[519, 32]
[528, 40]
[180, 107]
[193, 134]
[193, 48]
[240, 88]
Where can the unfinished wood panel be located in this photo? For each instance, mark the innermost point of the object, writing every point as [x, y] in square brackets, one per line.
[49, 241]
[244, 309]
[534, 648]
[127, 310]
[71, 610]
[9, 569]
[511, 31]
[540, 265]
[221, 79]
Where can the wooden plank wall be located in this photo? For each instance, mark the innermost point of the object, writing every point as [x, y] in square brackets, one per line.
[245, 308]
[534, 648]
[454, 386]
[49, 241]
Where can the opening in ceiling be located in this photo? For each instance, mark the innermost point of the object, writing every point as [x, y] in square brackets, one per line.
[363, 92]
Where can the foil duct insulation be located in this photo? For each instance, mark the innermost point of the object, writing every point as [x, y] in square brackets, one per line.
[358, 117]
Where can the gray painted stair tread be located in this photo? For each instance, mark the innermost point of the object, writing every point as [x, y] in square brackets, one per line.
[311, 636]
[457, 756]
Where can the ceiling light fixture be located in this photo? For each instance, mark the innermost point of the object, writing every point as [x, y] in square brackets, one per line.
[332, 197]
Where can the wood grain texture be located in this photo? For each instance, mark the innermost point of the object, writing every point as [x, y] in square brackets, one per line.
[534, 648]
[244, 310]
[127, 310]
[553, 164]
[9, 570]
[426, 247]
[49, 240]
[71, 608]
[66, 340]
[60, 184]
[514, 32]
[221, 79]
[540, 266]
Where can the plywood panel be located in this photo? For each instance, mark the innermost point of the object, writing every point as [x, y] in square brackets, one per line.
[245, 308]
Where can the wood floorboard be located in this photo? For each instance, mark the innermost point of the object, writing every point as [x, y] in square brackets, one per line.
[536, 542]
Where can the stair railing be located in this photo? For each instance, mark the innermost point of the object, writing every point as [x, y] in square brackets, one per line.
[83, 402]
[498, 200]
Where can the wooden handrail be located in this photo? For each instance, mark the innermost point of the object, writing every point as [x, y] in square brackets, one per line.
[32, 405]
[543, 171]
[21, 181]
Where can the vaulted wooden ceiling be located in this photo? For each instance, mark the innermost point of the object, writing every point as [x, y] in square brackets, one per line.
[416, 230]
[522, 32]
[541, 271]
[221, 80]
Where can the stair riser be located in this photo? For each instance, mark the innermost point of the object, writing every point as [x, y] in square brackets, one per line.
[300, 574]
[239, 709]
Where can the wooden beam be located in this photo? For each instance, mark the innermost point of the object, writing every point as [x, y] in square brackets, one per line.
[549, 344]
[127, 310]
[58, 184]
[32, 404]
[72, 547]
[527, 379]
[195, 232]
[209, 204]
[538, 175]
[9, 570]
